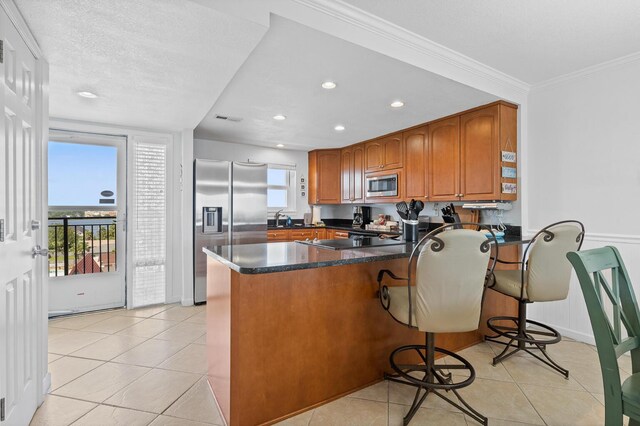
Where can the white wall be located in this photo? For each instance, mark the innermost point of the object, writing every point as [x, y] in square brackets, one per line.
[214, 150]
[583, 163]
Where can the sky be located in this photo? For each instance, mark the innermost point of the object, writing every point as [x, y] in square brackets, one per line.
[79, 172]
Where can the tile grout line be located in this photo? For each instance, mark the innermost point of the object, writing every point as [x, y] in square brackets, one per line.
[525, 395]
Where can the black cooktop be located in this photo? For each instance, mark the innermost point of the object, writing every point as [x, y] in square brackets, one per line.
[353, 242]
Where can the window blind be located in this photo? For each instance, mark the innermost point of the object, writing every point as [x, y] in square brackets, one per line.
[149, 224]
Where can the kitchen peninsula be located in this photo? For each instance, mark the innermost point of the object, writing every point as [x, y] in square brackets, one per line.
[293, 326]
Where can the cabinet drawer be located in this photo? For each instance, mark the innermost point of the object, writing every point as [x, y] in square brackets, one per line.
[278, 235]
[340, 235]
[303, 234]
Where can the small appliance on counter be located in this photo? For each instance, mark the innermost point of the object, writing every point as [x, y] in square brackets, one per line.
[361, 216]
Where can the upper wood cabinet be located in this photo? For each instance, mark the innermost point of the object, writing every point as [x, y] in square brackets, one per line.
[416, 155]
[347, 174]
[353, 174]
[324, 176]
[465, 154]
[479, 171]
[451, 159]
[384, 153]
[444, 159]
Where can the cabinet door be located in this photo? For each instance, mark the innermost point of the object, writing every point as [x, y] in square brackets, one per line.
[326, 185]
[479, 156]
[444, 159]
[346, 157]
[373, 156]
[321, 234]
[392, 152]
[358, 174]
[415, 163]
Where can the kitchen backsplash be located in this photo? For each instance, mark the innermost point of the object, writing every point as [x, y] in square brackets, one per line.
[431, 209]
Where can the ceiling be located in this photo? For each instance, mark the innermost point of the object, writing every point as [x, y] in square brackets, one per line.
[532, 40]
[154, 64]
[283, 75]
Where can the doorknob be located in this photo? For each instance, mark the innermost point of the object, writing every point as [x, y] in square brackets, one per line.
[39, 251]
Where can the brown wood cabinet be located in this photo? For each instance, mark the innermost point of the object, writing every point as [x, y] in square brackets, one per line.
[450, 159]
[302, 234]
[465, 161]
[479, 154]
[416, 150]
[353, 174]
[278, 235]
[444, 159]
[324, 176]
[293, 234]
[384, 153]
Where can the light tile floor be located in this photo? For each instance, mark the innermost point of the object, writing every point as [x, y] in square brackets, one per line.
[147, 366]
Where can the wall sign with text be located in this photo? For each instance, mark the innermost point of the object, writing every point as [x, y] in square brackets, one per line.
[509, 188]
[509, 172]
[508, 156]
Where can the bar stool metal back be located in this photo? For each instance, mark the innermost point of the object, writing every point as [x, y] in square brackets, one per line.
[544, 275]
[444, 295]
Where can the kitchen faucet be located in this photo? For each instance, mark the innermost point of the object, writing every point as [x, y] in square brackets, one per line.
[277, 215]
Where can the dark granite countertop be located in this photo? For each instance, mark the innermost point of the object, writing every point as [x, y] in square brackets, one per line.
[289, 256]
[339, 227]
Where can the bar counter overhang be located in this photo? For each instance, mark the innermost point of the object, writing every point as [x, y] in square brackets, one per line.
[291, 327]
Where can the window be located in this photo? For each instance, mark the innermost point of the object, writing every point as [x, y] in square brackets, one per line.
[281, 188]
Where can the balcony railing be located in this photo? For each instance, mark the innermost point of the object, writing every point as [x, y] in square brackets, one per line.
[82, 245]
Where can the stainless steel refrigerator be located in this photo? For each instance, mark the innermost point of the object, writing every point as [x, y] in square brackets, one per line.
[230, 207]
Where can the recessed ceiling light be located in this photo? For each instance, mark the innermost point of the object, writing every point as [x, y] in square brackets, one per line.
[279, 117]
[328, 85]
[280, 145]
[87, 94]
[397, 104]
[339, 128]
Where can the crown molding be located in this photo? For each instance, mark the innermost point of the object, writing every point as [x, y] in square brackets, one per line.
[614, 63]
[18, 21]
[352, 15]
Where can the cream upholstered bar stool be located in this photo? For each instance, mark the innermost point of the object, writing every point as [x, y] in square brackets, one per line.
[544, 276]
[444, 295]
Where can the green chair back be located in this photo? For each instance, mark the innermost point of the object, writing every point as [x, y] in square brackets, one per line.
[590, 267]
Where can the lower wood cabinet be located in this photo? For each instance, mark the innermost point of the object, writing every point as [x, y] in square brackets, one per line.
[293, 234]
[337, 234]
[279, 235]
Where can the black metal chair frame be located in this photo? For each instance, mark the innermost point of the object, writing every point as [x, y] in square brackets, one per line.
[435, 377]
[528, 339]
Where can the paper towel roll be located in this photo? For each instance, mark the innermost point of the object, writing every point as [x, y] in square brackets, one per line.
[315, 214]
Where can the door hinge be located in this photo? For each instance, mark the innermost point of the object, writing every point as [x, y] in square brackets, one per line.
[2, 410]
[1, 51]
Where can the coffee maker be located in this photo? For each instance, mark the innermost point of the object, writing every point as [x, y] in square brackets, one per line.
[361, 216]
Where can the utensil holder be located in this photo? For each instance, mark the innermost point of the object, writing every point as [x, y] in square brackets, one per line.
[410, 230]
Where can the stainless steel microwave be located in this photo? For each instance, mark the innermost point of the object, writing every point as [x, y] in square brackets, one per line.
[382, 185]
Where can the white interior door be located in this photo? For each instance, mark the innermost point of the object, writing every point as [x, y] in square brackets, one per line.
[19, 281]
[87, 226]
